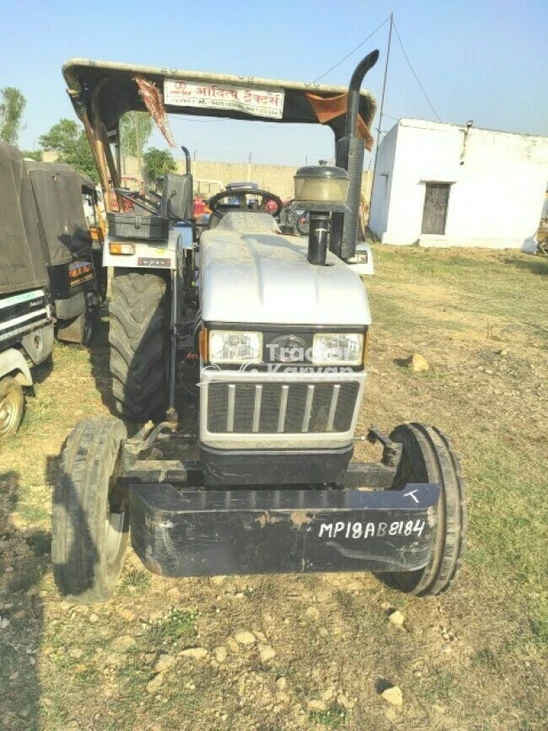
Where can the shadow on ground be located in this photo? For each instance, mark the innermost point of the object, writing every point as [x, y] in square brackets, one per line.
[24, 558]
[99, 359]
[534, 265]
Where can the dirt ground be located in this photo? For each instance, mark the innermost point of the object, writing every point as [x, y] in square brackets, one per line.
[266, 653]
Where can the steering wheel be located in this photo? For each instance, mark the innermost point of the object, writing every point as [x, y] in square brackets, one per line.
[240, 194]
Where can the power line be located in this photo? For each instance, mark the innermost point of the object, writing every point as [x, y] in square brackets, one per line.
[351, 52]
[415, 75]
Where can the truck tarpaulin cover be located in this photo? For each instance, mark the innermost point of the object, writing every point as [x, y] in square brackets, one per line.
[58, 193]
[22, 264]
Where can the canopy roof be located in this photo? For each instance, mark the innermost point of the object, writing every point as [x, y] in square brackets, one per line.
[103, 91]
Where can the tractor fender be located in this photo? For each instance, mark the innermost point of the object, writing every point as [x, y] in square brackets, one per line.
[13, 361]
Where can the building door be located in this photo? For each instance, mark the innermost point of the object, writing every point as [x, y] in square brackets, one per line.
[436, 197]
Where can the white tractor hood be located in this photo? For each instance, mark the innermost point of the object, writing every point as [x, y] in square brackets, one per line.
[265, 277]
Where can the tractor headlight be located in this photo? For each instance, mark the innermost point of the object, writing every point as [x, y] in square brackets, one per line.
[233, 346]
[337, 349]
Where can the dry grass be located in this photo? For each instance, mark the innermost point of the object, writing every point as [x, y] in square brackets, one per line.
[473, 659]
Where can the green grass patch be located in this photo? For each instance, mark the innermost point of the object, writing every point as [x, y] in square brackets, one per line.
[330, 718]
[439, 687]
[176, 628]
[137, 579]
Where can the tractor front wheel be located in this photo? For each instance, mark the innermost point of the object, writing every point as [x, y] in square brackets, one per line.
[428, 457]
[90, 517]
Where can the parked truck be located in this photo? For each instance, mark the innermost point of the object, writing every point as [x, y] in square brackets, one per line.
[26, 321]
[67, 247]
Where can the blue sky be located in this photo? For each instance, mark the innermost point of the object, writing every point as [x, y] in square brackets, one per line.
[482, 60]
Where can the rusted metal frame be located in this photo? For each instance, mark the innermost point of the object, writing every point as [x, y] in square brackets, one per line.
[118, 152]
[74, 93]
[140, 442]
[359, 475]
[392, 451]
[101, 146]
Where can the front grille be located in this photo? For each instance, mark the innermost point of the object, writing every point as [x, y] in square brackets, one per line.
[283, 408]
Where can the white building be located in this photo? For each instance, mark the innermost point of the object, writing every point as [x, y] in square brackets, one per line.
[450, 185]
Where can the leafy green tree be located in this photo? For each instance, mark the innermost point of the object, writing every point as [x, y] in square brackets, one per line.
[69, 141]
[12, 105]
[135, 131]
[158, 163]
[37, 155]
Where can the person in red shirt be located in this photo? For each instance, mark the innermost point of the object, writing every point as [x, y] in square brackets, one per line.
[199, 206]
[271, 207]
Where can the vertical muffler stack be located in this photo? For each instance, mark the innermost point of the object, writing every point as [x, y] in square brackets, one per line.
[350, 154]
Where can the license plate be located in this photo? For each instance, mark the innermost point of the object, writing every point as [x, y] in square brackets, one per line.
[151, 261]
[360, 530]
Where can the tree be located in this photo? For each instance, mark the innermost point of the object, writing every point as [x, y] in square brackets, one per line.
[69, 141]
[158, 163]
[12, 105]
[135, 131]
[37, 155]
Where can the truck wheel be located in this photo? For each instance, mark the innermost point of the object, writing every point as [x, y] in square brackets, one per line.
[139, 345]
[12, 405]
[90, 519]
[428, 457]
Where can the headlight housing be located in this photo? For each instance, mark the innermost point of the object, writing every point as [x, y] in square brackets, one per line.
[337, 349]
[235, 346]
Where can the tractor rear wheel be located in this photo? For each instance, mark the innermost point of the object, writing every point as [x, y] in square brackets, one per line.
[139, 345]
[90, 518]
[428, 457]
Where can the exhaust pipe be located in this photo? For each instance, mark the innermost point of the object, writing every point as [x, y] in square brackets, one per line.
[350, 154]
[318, 236]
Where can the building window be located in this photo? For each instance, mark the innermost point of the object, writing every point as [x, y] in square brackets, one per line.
[385, 177]
[436, 198]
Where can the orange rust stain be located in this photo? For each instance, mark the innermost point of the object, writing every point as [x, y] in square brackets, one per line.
[268, 518]
[299, 517]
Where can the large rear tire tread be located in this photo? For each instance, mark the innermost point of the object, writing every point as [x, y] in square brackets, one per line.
[428, 457]
[139, 337]
[84, 570]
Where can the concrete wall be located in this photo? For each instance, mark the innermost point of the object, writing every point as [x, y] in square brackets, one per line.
[497, 181]
[275, 178]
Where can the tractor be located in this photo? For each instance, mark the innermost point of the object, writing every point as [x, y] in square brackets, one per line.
[238, 369]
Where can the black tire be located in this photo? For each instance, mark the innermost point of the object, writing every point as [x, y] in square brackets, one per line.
[139, 345]
[92, 320]
[89, 532]
[12, 406]
[303, 224]
[428, 457]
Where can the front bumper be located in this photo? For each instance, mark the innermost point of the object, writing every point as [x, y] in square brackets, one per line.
[275, 467]
[195, 532]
